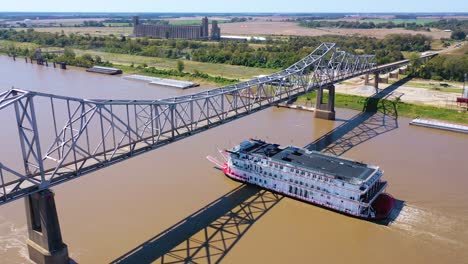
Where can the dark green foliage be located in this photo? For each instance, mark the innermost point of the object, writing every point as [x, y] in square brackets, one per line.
[443, 67]
[238, 19]
[93, 23]
[180, 66]
[452, 24]
[458, 35]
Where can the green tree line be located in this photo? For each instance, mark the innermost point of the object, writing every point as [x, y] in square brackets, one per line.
[442, 67]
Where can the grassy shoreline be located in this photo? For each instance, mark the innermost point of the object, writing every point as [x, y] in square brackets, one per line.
[214, 69]
[358, 103]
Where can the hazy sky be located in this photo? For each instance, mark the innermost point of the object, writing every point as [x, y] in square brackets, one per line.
[235, 5]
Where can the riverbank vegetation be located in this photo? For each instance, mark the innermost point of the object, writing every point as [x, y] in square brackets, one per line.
[403, 109]
[276, 54]
[87, 60]
[196, 76]
[442, 67]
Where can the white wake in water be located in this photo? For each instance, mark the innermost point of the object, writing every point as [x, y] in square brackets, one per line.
[13, 242]
[430, 226]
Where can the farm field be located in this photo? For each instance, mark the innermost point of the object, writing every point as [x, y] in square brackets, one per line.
[292, 28]
[94, 31]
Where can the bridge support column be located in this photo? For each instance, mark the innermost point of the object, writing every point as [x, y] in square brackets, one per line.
[45, 243]
[393, 75]
[376, 82]
[325, 110]
[366, 79]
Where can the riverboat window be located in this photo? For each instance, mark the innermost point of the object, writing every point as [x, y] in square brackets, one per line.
[290, 180]
[305, 194]
[290, 188]
[281, 167]
[342, 183]
[300, 183]
[292, 170]
[302, 173]
[320, 177]
[313, 176]
[270, 173]
[295, 182]
[297, 171]
[295, 190]
[326, 179]
[307, 185]
[352, 198]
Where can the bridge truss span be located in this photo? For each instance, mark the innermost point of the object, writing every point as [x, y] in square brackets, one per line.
[59, 138]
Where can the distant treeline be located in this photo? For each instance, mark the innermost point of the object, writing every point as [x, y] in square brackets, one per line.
[360, 24]
[92, 23]
[452, 24]
[275, 54]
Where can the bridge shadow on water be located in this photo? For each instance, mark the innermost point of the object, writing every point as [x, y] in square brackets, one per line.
[207, 235]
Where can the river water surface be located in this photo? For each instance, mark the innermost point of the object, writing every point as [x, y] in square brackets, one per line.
[106, 214]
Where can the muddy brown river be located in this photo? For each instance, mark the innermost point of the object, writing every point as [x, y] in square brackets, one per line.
[170, 204]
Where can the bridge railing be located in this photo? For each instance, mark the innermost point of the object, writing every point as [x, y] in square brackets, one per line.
[58, 138]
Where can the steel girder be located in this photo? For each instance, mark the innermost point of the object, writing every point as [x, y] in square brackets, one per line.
[88, 135]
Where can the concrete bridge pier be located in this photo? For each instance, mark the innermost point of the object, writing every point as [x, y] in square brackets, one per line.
[366, 79]
[376, 81]
[325, 109]
[45, 243]
[393, 75]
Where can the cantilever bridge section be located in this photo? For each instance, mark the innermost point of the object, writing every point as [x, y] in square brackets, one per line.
[85, 135]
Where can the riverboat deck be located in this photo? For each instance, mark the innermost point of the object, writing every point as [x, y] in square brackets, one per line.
[342, 169]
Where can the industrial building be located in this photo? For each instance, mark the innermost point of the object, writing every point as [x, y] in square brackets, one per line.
[177, 32]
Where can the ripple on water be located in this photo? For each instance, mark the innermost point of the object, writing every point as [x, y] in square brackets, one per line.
[13, 241]
[430, 226]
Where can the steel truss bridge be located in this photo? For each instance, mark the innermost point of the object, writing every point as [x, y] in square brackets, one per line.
[62, 138]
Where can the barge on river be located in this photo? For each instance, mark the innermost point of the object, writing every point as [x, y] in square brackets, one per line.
[343, 185]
